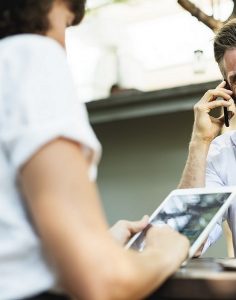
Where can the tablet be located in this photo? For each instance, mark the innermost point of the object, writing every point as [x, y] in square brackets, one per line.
[192, 212]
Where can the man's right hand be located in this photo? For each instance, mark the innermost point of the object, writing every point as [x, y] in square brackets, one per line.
[169, 243]
[206, 127]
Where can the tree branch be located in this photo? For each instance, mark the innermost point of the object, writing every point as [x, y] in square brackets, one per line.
[233, 15]
[200, 15]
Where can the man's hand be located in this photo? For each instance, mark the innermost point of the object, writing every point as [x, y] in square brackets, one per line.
[123, 230]
[206, 127]
[198, 253]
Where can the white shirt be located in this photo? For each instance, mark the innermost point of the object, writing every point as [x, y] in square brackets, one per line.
[38, 103]
[221, 171]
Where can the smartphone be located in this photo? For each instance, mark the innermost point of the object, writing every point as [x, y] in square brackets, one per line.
[226, 113]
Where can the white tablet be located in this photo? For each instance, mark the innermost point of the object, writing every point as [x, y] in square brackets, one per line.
[192, 212]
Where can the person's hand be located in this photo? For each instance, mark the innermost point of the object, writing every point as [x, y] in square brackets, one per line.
[169, 243]
[206, 127]
[123, 230]
[198, 253]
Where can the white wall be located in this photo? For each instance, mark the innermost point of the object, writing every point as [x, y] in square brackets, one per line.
[142, 162]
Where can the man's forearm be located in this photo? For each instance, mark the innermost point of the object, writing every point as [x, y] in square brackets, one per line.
[195, 168]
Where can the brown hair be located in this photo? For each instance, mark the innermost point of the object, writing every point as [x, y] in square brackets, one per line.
[31, 16]
[224, 40]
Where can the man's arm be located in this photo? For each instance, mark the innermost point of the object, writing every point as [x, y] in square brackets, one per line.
[194, 170]
[205, 129]
[67, 213]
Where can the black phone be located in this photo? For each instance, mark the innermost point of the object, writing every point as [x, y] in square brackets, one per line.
[226, 113]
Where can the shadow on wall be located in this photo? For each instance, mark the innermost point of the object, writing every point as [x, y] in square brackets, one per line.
[142, 162]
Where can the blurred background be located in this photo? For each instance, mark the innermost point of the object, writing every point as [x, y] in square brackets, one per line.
[141, 65]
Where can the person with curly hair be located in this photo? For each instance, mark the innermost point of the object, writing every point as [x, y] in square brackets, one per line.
[54, 239]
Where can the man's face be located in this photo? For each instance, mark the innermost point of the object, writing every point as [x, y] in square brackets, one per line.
[60, 17]
[229, 65]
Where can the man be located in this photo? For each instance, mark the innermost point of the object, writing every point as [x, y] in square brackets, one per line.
[212, 160]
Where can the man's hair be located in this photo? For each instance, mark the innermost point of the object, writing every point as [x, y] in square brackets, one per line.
[224, 40]
[31, 16]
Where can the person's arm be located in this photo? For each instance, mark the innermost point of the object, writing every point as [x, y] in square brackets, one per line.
[194, 170]
[205, 129]
[65, 207]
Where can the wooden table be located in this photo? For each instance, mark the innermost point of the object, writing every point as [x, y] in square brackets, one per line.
[202, 278]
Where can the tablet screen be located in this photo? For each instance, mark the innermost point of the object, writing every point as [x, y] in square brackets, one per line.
[188, 214]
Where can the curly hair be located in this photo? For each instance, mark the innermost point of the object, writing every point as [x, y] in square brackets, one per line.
[31, 16]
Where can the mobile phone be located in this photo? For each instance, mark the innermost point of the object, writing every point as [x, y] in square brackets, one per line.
[226, 113]
[226, 117]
